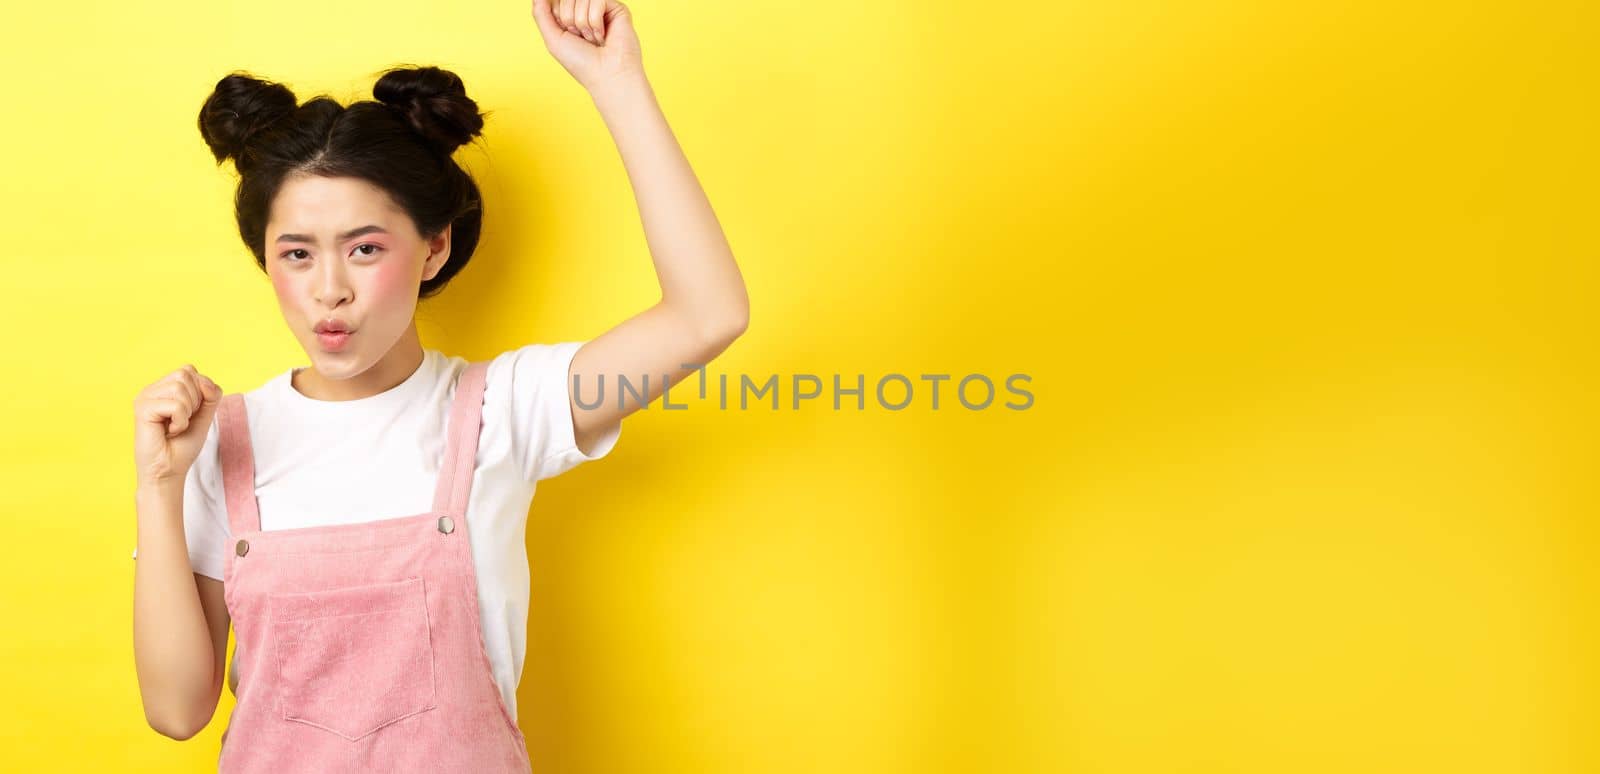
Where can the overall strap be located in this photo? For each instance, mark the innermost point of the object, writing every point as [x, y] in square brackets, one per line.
[238, 464]
[461, 447]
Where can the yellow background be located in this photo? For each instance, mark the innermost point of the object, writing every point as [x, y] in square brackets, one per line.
[1306, 292]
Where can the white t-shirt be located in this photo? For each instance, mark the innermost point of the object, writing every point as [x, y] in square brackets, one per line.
[324, 462]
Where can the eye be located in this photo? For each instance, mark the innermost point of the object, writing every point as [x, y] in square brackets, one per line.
[374, 247]
[291, 253]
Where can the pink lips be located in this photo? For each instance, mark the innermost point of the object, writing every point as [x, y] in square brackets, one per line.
[334, 341]
[333, 334]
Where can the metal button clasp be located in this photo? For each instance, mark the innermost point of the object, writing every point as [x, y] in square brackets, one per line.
[446, 525]
[241, 548]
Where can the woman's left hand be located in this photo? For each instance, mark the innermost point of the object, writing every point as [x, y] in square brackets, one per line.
[592, 39]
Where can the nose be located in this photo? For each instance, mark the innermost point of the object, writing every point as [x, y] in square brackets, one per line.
[332, 286]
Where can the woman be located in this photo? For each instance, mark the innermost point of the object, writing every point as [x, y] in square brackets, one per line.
[358, 522]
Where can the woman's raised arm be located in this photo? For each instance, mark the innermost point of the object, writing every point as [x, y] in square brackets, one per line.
[704, 305]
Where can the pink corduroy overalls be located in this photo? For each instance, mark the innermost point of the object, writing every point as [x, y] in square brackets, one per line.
[361, 645]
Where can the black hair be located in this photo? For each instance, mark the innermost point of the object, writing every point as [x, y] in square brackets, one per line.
[401, 141]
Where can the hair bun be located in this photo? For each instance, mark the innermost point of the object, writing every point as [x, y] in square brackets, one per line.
[435, 102]
[240, 107]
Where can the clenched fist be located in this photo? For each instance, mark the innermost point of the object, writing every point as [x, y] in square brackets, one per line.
[593, 39]
[171, 419]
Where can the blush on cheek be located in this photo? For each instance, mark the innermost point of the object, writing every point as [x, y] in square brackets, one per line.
[280, 285]
[392, 281]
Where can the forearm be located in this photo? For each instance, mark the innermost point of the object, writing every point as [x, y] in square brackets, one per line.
[172, 647]
[693, 261]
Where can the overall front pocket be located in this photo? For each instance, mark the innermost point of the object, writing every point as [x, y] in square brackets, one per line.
[355, 659]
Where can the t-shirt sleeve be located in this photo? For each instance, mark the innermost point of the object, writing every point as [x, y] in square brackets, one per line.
[541, 411]
[205, 514]
[205, 518]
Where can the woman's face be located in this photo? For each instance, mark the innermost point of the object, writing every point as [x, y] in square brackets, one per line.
[338, 248]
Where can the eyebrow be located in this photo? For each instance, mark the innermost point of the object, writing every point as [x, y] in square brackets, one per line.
[351, 234]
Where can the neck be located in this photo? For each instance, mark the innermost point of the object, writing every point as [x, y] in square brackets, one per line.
[399, 363]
